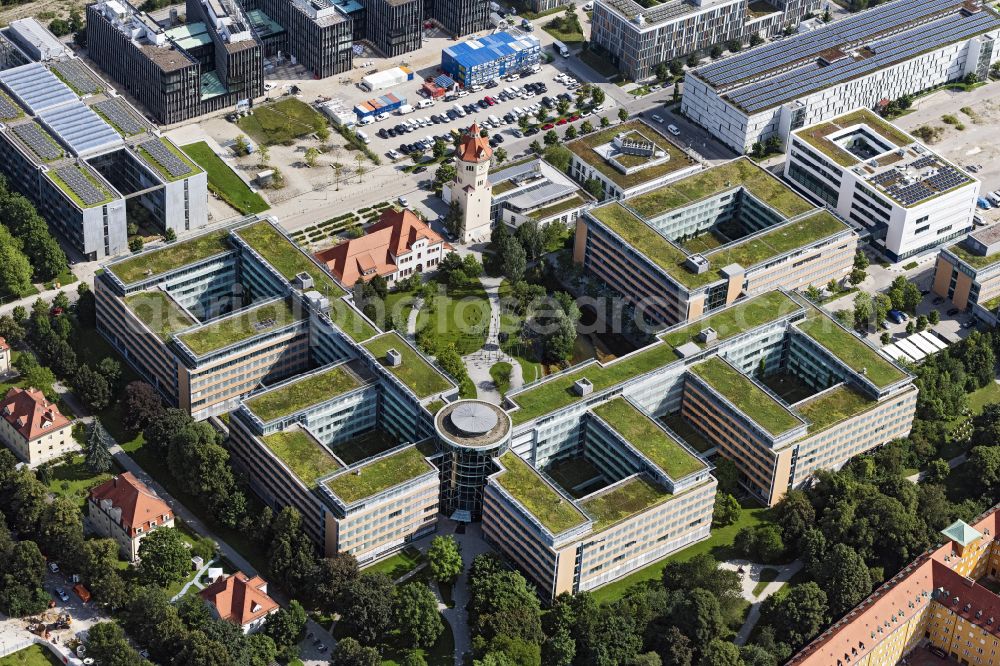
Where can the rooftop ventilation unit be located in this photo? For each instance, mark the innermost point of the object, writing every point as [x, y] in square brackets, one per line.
[707, 335]
[393, 358]
[583, 387]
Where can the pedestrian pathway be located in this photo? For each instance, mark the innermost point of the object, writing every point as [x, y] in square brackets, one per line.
[479, 362]
[411, 321]
[953, 463]
[196, 581]
[749, 579]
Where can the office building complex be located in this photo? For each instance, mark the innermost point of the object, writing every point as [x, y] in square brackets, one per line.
[699, 243]
[84, 157]
[639, 37]
[462, 17]
[318, 34]
[894, 49]
[490, 58]
[907, 198]
[535, 190]
[209, 63]
[393, 26]
[946, 599]
[968, 274]
[628, 159]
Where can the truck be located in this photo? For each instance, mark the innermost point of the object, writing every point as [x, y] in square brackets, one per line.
[560, 48]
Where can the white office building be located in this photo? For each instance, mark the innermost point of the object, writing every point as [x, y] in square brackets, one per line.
[894, 49]
[909, 199]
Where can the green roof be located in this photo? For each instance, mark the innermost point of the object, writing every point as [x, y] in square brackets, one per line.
[741, 172]
[242, 325]
[574, 201]
[623, 501]
[379, 475]
[650, 439]
[306, 457]
[64, 186]
[992, 303]
[774, 242]
[961, 533]
[415, 371]
[851, 350]
[162, 170]
[525, 485]
[584, 149]
[157, 310]
[169, 257]
[749, 398]
[833, 407]
[816, 135]
[736, 318]
[289, 260]
[977, 261]
[297, 395]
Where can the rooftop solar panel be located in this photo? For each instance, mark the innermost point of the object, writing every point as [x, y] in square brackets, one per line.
[8, 109]
[79, 128]
[116, 111]
[36, 87]
[77, 77]
[81, 185]
[38, 140]
[166, 159]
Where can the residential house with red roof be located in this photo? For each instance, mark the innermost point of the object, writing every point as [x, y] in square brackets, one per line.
[5, 357]
[33, 428]
[241, 600]
[399, 245]
[126, 510]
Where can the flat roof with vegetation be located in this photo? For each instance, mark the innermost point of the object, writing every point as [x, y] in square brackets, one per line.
[650, 439]
[524, 484]
[71, 193]
[302, 393]
[574, 201]
[976, 261]
[623, 501]
[172, 256]
[584, 149]
[817, 135]
[735, 319]
[161, 169]
[833, 407]
[415, 371]
[851, 350]
[302, 454]
[741, 172]
[240, 326]
[379, 475]
[749, 398]
[157, 310]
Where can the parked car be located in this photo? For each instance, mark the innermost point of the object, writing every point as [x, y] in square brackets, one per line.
[673, 129]
[61, 593]
[952, 312]
[657, 117]
[53, 567]
[403, 202]
[548, 126]
[561, 121]
[420, 169]
[498, 138]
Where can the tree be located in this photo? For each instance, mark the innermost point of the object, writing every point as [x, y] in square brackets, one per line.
[933, 317]
[333, 579]
[416, 616]
[863, 309]
[98, 459]
[846, 579]
[595, 188]
[140, 405]
[291, 555]
[721, 653]
[513, 259]
[136, 244]
[263, 155]
[756, 39]
[311, 155]
[794, 514]
[164, 558]
[550, 138]
[727, 510]
[698, 617]
[240, 145]
[734, 45]
[92, 388]
[622, 114]
[604, 121]
[530, 236]
[107, 645]
[444, 557]
[285, 627]
[350, 652]
[586, 127]
[170, 235]
[798, 616]
[716, 52]
[15, 271]
[454, 220]
[500, 155]
[369, 607]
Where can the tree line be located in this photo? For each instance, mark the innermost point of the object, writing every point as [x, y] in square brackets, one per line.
[28, 251]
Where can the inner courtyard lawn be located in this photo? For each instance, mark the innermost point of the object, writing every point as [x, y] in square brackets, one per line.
[458, 316]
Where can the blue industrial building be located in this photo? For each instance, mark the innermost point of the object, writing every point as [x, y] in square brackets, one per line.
[491, 57]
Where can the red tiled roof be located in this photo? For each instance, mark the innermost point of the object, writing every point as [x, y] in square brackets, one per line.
[239, 599]
[31, 415]
[138, 504]
[475, 148]
[375, 253]
[3, 344]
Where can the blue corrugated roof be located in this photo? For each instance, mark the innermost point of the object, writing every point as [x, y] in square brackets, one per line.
[486, 49]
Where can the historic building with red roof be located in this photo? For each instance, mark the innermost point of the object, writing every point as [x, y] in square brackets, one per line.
[471, 187]
[397, 246]
[241, 600]
[33, 428]
[5, 357]
[943, 599]
[126, 510]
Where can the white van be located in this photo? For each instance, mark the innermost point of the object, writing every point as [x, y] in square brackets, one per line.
[994, 198]
[494, 121]
[405, 109]
[367, 120]
[363, 136]
[382, 116]
[459, 110]
[424, 103]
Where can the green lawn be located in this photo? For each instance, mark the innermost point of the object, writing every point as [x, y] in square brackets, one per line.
[747, 396]
[307, 459]
[33, 655]
[500, 372]
[224, 182]
[817, 136]
[297, 395]
[627, 499]
[719, 545]
[837, 405]
[975, 260]
[159, 312]
[398, 565]
[584, 148]
[398, 305]
[171, 256]
[415, 371]
[736, 318]
[286, 257]
[282, 122]
[457, 316]
[767, 575]
[567, 38]
[983, 396]
[850, 349]
[651, 440]
[380, 475]
[538, 497]
[240, 326]
[442, 654]
[73, 480]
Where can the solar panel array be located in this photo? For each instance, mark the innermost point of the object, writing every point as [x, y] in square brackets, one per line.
[911, 194]
[77, 76]
[118, 113]
[776, 90]
[38, 141]
[8, 110]
[946, 178]
[868, 24]
[174, 165]
[82, 186]
[925, 161]
[885, 177]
